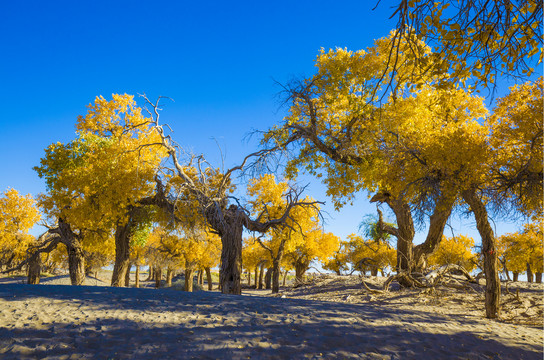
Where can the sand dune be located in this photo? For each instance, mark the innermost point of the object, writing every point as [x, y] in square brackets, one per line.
[96, 322]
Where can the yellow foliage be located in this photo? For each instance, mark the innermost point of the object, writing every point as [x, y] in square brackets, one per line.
[525, 247]
[455, 250]
[380, 254]
[18, 214]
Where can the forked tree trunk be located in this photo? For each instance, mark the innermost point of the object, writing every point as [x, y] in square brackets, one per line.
[76, 255]
[493, 285]
[209, 278]
[169, 275]
[122, 254]
[529, 273]
[515, 276]
[34, 269]
[189, 272]
[137, 275]
[158, 277]
[538, 277]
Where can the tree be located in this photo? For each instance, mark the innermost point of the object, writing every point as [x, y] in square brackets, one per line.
[339, 260]
[316, 245]
[268, 199]
[18, 214]
[226, 220]
[481, 39]
[99, 183]
[455, 250]
[395, 150]
[516, 138]
[369, 254]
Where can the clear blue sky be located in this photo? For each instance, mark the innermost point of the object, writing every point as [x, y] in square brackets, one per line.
[218, 60]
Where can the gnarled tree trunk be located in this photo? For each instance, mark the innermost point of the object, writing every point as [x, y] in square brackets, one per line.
[300, 269]
[189, 272]
[122, 254]
[231, 252]
[34, 269]
[209, 278]
[529, 273]
[493, 285]
[158, 277]
[169, 275]
[268, 279]
[127, 275]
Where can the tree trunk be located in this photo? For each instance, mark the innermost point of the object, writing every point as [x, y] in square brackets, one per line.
[256, 276]
[122, 254]
[158, 277]
[137, 280]
[231, 259]
[201, 277]
[76, 255]
[529, 273]
[169, 275]
[285, 277]
[300, 269]
[538, 277]
[268, 279]
[189, 279]
[34, 269]
[150, 275]
[374, 271]
[515, 276]
[127, 275]
[261, 284]
[76, 264]
[493, 285]
[276, 277]
[248, 277]
[209, 278]
[437, 222]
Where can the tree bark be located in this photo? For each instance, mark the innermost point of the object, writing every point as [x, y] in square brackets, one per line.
[209, 278]
[256, 276]
[529, 273]
[515, 276]
[374, 271]
[76, 255]
[268, 279]
[137, 280]
[150, 275]
[231, 252]
[300, 269]
[169, 275]
[437, 222]
[248, 277]
[158, 277]
[34, 270]
[404, 232]
[127, 275]
[261, 271]
[493, 285]
[285, 276]
[122, 254]
[538, 277]
[201, 277]
[189, 272]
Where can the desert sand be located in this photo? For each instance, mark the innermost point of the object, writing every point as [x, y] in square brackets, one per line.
[327, 318]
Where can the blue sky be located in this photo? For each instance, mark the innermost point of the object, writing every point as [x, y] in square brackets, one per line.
[218, 60]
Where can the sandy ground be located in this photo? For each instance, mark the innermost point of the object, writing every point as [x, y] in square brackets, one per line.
[329, 318]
